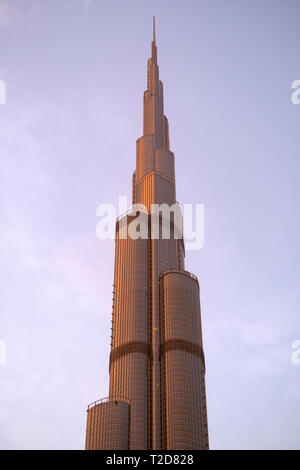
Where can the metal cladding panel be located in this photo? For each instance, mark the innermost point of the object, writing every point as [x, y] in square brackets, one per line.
[108, 426]
[155, 189]
[181, 254]
[133, 186]
[130, 376]
[184, 422]
[163, 256]
[166, 134]
[144, 156]
[129, 322]
[130, 352]
[164, 163]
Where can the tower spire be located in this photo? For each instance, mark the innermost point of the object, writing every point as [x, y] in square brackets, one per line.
[154, 49]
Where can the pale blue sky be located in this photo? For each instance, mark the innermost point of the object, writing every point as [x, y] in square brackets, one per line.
[75, 73]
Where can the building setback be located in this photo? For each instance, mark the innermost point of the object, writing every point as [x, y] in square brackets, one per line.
[157, 397]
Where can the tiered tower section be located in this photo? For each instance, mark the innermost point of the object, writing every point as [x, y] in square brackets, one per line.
[157, 396]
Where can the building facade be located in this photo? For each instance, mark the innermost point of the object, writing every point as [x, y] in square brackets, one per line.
[157, 397]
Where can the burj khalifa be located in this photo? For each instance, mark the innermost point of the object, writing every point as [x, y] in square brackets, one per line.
[157, 393]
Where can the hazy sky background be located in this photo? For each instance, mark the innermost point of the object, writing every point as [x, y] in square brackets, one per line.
[75, 73]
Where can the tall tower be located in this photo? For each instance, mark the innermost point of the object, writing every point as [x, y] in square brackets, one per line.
[157, 396]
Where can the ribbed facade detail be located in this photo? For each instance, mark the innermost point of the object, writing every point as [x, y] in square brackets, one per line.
[130, 347]
[184, 416]
[108, 425]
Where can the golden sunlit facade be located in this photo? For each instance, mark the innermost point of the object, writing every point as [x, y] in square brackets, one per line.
[156, 361]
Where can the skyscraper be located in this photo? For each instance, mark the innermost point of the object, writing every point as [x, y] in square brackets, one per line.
[157, 397]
